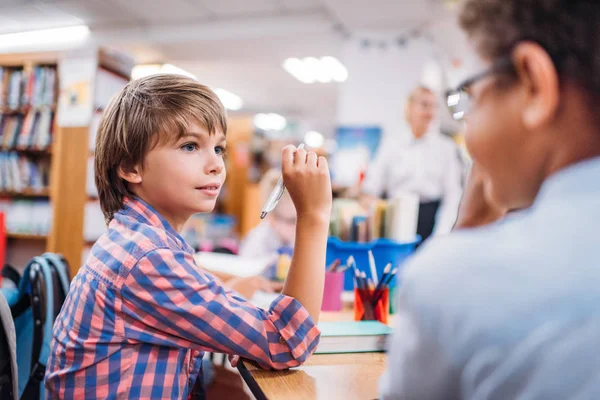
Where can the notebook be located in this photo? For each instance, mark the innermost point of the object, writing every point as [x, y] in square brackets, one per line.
[352, 337]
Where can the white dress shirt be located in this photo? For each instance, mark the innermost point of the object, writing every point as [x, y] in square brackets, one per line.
[429, 167]
[506, 311]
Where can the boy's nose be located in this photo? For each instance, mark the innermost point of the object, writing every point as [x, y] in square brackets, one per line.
[215, 166]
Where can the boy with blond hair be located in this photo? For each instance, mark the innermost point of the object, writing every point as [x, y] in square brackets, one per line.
[140, 313]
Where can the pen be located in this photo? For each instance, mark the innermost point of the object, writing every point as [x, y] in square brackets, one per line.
[386, 271]
[385, 285]
[275, 195]
[373, 269]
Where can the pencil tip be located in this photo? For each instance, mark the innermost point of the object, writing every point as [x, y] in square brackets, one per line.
[263, 215]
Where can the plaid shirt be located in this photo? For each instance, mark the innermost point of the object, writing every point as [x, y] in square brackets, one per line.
[140, 315]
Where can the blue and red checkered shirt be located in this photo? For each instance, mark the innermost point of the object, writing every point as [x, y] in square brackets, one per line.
[140, 315]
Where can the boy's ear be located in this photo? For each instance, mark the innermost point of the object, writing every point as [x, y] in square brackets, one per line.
[540, 79]
[130, 173]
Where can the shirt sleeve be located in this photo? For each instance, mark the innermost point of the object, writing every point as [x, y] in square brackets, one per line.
[452, 192]
[168, 300]
[376, 176]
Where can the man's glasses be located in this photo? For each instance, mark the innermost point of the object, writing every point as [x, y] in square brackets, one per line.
[459, 99]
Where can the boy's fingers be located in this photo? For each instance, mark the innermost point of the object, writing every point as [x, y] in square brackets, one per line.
[300, 157]
[234, 360]
[287, 155]
[323, 166]
[322, 162]
[311, 159]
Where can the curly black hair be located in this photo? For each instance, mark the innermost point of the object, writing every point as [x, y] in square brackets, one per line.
[569, 30]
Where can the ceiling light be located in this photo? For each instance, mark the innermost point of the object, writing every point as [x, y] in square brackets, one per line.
[70, 35]
[311, 69]
[314, 139]
[335, 69]
[270, 122]
[296, 68]
[230, 100]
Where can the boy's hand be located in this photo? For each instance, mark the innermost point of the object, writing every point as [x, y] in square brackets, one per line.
[306, 177]
[477, 208]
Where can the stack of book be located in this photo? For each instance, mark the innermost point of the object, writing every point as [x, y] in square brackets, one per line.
[353, 337]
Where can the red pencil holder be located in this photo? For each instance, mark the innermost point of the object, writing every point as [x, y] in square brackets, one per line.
[372, 305]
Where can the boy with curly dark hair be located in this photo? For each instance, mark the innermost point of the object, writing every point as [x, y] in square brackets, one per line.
[507, 308]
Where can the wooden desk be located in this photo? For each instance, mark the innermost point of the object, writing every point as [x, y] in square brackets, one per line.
[323, 376]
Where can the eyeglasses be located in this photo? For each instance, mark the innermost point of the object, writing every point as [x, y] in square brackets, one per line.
[459, 99]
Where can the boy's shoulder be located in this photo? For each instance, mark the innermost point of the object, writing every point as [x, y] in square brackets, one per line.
[125, 243]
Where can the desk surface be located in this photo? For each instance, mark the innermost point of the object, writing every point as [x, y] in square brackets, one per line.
[325, 376]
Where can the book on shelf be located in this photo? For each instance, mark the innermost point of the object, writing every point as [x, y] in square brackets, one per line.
[27, 87]
[10, 126]
[19, 172]
[32, 131]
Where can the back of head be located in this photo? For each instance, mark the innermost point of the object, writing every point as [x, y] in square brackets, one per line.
[532, 107]
[567, 29]
[147, 112]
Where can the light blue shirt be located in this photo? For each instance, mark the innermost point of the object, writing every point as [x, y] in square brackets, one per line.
[507, 311]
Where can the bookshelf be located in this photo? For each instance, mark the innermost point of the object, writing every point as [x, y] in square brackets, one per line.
[28, 98]
[60, 145]
[27, 193]
[24, 236]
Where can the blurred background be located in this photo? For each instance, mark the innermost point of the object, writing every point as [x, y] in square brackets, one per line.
[334, 74]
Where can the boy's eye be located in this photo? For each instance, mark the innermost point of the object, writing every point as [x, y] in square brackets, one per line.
[220, 151]
[189, 147]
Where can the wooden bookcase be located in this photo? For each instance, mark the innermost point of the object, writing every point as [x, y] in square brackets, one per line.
[68, 155]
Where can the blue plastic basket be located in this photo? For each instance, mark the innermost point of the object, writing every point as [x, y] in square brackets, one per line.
[384, 251]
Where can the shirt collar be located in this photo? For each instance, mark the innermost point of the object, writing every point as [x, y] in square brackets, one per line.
[434, 129]
[582, 177]
[138, 209]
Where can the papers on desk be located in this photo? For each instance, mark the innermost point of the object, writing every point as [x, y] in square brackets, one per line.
[232, 264]
[352, 337]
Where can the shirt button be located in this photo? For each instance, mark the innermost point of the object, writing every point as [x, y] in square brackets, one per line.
[281, 340]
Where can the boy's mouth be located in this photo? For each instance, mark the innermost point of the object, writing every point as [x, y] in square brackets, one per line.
[211, 189]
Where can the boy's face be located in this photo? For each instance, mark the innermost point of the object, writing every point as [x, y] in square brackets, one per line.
[184, 177]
